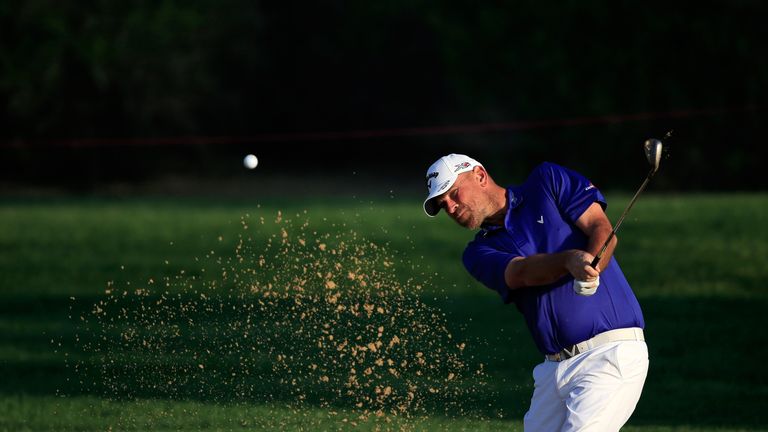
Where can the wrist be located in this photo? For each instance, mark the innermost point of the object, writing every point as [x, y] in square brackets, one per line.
[573, 258]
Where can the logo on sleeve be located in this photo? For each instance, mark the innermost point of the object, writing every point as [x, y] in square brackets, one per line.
[541, 220]
[591, 186]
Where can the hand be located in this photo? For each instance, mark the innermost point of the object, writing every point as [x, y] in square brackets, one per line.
[578, 265]
[586, 288]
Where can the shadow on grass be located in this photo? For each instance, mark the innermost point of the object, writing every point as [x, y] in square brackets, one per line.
[705, 359]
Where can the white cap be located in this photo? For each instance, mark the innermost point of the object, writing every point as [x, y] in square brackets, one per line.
[441, 176]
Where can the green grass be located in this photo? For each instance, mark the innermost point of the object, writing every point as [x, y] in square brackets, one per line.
[696, 262]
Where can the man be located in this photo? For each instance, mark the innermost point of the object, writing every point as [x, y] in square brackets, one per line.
[534, 247]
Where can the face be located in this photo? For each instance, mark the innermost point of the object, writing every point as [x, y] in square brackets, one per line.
[465, 202]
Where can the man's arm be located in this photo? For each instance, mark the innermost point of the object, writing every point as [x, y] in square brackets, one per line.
[543, 269]
[595, 224]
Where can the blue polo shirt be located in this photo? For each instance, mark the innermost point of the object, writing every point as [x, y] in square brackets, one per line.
[541, 218]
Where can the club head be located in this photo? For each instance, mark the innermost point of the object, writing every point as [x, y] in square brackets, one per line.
[652, 149]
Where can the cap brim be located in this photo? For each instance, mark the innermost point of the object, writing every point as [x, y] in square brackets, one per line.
[430, 208]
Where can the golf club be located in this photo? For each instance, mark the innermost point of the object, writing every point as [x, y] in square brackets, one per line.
[652, 149]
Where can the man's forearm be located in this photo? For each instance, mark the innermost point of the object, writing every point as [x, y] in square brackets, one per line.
[596, 241]
[596, 226]
[539, 269]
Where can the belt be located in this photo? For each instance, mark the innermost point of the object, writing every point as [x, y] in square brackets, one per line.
[625, 334]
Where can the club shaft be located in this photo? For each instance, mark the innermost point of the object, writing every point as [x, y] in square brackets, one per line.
[621, 219]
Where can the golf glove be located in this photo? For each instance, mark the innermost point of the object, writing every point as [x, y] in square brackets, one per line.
[586, 288]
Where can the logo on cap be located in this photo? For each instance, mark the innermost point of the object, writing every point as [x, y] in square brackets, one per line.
[461, 166]
[430, 177]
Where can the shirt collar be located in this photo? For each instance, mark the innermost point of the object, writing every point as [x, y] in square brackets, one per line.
[514, 199]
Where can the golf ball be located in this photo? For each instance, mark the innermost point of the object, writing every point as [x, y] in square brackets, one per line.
[250, 161]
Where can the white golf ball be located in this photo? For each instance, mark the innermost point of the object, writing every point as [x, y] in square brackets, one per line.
[250, 161]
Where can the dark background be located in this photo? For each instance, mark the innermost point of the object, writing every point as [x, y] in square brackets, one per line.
[95, 93]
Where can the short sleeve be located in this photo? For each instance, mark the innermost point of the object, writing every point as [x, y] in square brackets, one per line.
[488, 265]
[572, 192]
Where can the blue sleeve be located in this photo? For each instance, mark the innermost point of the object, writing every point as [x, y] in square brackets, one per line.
[572, 192]
[488, 265]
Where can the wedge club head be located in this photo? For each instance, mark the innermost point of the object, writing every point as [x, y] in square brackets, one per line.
[653, 153]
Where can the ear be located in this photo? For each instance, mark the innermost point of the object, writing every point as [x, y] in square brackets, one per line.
[481, 175]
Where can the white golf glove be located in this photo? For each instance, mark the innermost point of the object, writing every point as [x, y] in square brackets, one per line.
[586, 288]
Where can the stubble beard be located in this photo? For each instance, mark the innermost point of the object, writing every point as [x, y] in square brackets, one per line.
[472, 222]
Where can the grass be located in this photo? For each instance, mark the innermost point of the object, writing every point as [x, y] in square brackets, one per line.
[696, 262]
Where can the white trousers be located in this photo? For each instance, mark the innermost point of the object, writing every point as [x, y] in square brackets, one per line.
[595, 391]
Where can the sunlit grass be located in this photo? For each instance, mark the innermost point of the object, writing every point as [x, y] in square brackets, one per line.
[696, 262]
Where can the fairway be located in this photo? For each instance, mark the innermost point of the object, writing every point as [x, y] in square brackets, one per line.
[696, 263]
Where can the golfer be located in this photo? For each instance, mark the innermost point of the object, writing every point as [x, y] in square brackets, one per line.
[534, 247]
